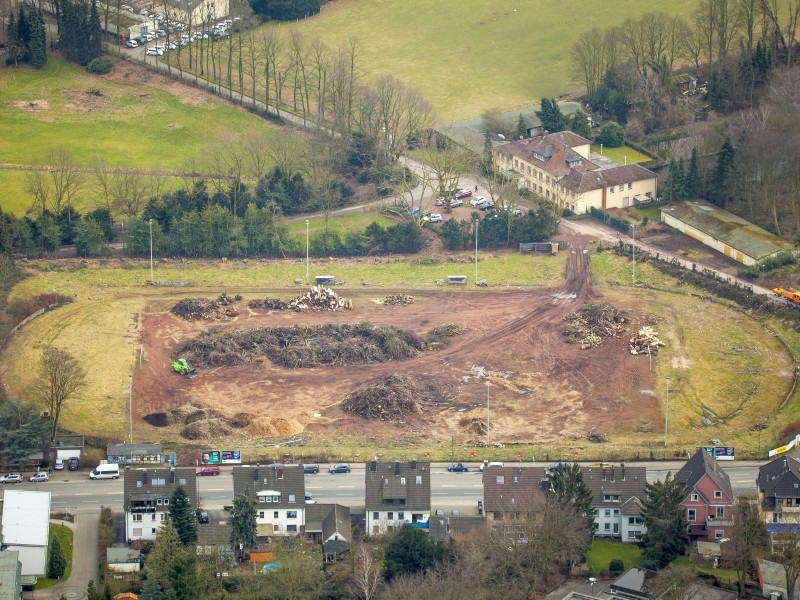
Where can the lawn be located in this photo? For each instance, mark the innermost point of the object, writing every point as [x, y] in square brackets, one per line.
[622, 155]
[354, 221]
[64, 535]
[603, 551]
[128, 124]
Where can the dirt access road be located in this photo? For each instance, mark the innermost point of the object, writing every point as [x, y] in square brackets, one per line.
[541, 388]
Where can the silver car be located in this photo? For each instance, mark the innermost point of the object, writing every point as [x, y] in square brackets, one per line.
[40, 476]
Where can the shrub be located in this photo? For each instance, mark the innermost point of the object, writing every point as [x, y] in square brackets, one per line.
[100, 66]
[616, 566]
[612, 135]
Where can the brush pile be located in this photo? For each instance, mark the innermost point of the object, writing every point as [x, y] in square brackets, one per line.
[398, 299]
[595, 322]
[316, 298]
[646, 342]
[389, 399]
[205, 309]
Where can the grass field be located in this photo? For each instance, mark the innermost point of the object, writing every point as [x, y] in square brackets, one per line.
[348, 222]
[129, 125]
[623, 155]
[64, 535]
[603, 551]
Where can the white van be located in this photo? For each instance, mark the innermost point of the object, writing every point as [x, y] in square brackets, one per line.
[107, 471]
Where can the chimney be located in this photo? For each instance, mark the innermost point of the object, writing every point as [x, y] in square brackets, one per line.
[604, 473]
[623, 470]
[612, 473]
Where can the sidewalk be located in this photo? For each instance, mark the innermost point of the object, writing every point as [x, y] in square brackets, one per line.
[85, 559]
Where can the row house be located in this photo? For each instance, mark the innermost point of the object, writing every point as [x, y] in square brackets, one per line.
[617, 496]
[557, 167]
[147, 495]
[779, 490]
[279, 493]
[707, 498]
[397, 493]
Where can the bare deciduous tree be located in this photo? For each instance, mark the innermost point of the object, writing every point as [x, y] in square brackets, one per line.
[129, 193]
[367, 579]
[38, 186]
[59, 379]
[674, 583]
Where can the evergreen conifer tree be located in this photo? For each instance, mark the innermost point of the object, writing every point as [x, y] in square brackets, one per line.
[56, 563]
[694, 189]
[723, 182]
[487, 157]
[38, 38]
[183, 516]
[95, 30]
[522, 131]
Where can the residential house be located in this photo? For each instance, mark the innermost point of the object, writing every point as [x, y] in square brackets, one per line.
[443, 529]
[397, 493]
[147, 495]
[279, 492]
[513, 492]
[123, 560]
[617, 496]
[65, 447]
[779, 490]
[684, 82]
[215, 540]
[724, 231]
[707, 498]
[128, 454]
[557, 166]
[26, 527]
[329, 525]
[10, 576]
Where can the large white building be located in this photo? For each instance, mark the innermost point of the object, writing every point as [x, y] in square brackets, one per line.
[26, 527]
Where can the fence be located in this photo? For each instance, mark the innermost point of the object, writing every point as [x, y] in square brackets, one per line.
[542, 246]
[172, 283]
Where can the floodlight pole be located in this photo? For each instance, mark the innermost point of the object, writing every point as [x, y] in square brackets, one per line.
[488, 438]
[476, 251]
[307, 270]
[666, 415]
[633, 253]
[152, 279]
[130, 407]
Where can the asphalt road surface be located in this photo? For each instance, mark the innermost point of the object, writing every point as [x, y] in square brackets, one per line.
[75, 492]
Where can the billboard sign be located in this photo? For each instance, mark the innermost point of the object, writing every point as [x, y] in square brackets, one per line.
[231, 457]
[721, 452]
[210, 457]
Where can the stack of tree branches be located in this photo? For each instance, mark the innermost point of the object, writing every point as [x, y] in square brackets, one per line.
[646, 341]
[440, 337]
[391, 398]
[595, 322]
[395, 299]
[196, 309]
[316, 298]
[303, 347]
[269, 304]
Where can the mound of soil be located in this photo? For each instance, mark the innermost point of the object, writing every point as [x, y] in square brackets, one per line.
[305, 347]
[206, 429]
[390, 398]
[270, 426]
[198, 422]
[157, 419]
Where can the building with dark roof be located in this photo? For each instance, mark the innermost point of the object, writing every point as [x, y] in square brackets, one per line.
[147, 495]
[215, 540]
[707, 498]
[513, 492]
[779, 490]
[445, 528]
[617, 496]
[558, 167]
[128, 454]
[723, 231]
[329, 525]
[397, 493]
[279, 492]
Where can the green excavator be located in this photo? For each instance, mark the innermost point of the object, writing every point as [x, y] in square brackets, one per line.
[182, 367]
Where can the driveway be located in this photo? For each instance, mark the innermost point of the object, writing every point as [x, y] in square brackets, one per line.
[85, 559]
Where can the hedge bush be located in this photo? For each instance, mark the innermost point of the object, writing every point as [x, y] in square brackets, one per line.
[100, 66]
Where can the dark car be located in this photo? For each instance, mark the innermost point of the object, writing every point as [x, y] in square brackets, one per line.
[74, 464]
[488, 205]
[311, 468]
[339, 468]
[202, 517]
[458, 468]
[208, 470]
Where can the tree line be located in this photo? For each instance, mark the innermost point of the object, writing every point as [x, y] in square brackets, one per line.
[26, 40]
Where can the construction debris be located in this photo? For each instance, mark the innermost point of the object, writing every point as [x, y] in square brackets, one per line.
[597, 320]
[308, 347]
[388, 399]
[395, 299]
[316, 298]
[197, 309]
[646, 342]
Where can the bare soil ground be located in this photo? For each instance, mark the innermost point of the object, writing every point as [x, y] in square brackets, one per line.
[541, 388]
[683, 245]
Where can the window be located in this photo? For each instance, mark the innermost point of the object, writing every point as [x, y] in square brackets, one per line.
[611, 189]
[376, 516]
[137, 518]
[153, 517]
[390, 516]
[153, 531]
[291, 514]
[137, 532]
[158, 501]
[419, 480]
[163, 516]
[608, 512]
[630, 185]
[717, 494]
[402, 481]
[264, 499]
[616, 512]
[261, 514]
[138, 484]
[718, 533]
[616, 527]
[631, 535]
[607, 527]
[694, 497]
[166, 501]
[291, 528]
[635, 521]
[275, 514]
[501, 479]
[182, 481]
[292, 498]
[720, 512]
[276, 528]
[597, 527]
[401, 516]
[691, 515]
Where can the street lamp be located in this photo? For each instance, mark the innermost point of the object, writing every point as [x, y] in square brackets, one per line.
[122, 223]
[633, 250]
[130, 407]
[151, 250]
[488, 438]
[666, 415]
[476, 251]
[307, 277]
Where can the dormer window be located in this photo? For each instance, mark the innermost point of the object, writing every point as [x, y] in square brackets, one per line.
[695, 497]
[717, 494]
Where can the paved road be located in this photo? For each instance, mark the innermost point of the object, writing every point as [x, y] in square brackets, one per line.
[85, 559]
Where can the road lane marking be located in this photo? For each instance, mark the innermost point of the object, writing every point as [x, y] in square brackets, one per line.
[216, 490]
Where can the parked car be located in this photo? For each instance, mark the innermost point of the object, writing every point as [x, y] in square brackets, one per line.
[11, 478]
[458, 468]
[440, 202]
[131, 44]
[339, 468]
[73, 464]
[202, 517]
[40, 476]
[58, 465]
[310, 499]
[488, 205]
[477, 200]
[435, 218]
[488, 464]
[208, 470]
[455, 203]
[461, 194]
[312, 468]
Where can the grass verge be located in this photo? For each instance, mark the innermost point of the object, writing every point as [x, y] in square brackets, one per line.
[64, 535]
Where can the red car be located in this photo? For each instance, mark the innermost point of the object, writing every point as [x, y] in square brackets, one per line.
[461, 194]
[208, 470]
